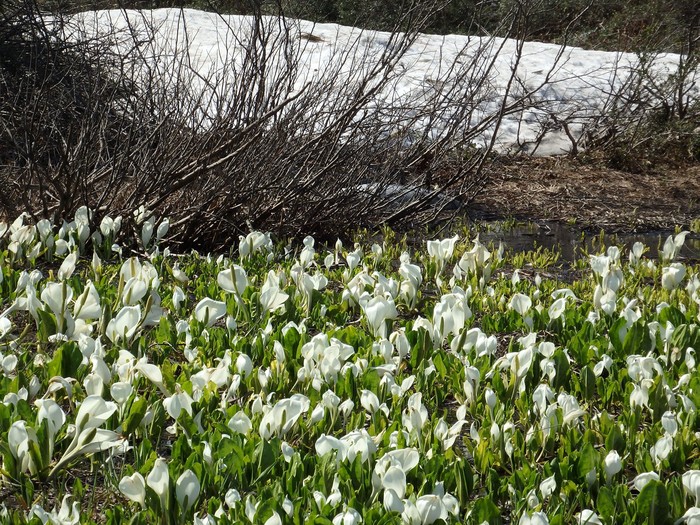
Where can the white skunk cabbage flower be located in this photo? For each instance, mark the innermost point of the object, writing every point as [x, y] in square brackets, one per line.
[691, 484]
[612, 464]
[187, 489]
[672, 246]
[280, 419]
[378, 311]
[233, 280]
[642, 479]
[209, 311]
[134, 488]
[672, 276]
[159, 480]
[521, 303]
[536, 518]
[125, 324]
[587, 517]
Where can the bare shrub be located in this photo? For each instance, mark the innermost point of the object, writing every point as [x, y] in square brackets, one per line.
[128, 118]
[651, 116]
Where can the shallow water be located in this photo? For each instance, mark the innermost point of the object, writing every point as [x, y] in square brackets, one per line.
[573, 243]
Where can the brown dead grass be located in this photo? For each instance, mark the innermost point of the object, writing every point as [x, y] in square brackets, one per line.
[592, 195]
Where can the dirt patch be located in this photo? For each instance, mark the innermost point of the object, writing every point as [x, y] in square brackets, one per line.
[592, 196]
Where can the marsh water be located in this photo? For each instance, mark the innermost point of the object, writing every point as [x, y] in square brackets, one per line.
[574, 243]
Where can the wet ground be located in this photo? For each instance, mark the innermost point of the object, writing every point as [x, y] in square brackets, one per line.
[573, 242]
[557, 202]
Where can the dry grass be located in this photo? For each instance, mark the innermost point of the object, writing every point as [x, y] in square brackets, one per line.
[591, 194]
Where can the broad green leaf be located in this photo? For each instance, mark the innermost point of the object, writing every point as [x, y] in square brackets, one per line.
[615, 440]
[614, 334]
[485, 510]
[652, 504]
[557, 519]
[673, 314]
[72, 359]
[637, 340]
[561, 365]
[658, 401]
[588, 383]
[136, 414]
[588, 460]
[439, 364]
[47, 324]
[605, 503]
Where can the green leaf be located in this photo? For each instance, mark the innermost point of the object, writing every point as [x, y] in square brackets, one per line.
[264, 510]
[637, 340]
[587, 460]
[614, 334]
[371, 381]
[561, 365]
[676, 499]
[486, 511]
[136, 415]
[266, 456]
[439, 364]
[42, 435]
[78, 490]
[673, 314]
[5, 413]
[557, 520]
[165, 332]
[421, 349]
[658, 400]
[588, 383]
[46, 324]
[27, 489]
[181, 450]
[390, 518]
[652, 504]
[605, 504]
[167, 369]
[294, 475]
[320, 520]
[358, 470]
[615, 440]
[685, 336]
[187, 423]
[693, 390]
[35, 453]
[53, 369]
[72, 359]
[66, 360]
[464, 479]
